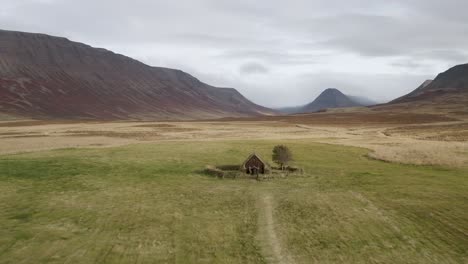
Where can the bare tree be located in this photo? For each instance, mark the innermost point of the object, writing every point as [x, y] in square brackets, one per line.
[282, 155]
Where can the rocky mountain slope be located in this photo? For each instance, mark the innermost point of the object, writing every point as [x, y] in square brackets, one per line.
[43, 76]
[446, 95]
[330, 98]
[452, 83]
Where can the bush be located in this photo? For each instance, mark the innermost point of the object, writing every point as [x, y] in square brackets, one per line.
[282, 155]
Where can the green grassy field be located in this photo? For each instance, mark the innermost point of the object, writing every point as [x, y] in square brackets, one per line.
[149, 203]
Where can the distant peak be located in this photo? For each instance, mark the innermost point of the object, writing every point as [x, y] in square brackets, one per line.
[330, 98]
[331, 90]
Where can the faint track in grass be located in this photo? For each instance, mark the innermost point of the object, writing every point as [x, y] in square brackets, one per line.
[271, 245]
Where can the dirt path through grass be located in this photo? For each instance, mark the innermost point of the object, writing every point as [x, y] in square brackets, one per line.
[271, 245]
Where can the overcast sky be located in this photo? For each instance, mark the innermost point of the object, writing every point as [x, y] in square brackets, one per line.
[275, 52]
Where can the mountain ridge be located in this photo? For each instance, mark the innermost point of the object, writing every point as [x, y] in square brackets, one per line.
[44, 76]
[329, 98]
[451, 82]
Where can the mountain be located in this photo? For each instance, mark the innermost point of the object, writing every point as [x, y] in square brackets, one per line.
[450, 84]
[330, 98]
[42, 76]
[446, 95]
[415, 92]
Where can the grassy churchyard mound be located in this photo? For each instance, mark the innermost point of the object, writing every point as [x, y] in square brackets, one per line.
[254, 167]
[234, 172]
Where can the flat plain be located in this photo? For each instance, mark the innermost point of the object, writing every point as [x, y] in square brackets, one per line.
[135, 192]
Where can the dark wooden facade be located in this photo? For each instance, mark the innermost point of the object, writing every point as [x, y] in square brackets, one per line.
[255, 165]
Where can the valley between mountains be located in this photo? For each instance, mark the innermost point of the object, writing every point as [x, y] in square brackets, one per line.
[102, 160]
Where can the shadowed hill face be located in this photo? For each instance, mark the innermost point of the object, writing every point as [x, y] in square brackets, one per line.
[330, 98]
[446, 95]
[451, 83]
[50, 77]
[455, 79]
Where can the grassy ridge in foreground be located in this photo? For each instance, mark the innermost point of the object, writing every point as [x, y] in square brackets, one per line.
[148, 203]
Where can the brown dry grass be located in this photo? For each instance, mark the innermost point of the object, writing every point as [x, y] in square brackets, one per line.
[367, 117]
[413, 143]
[27, 123]
[440, 132]
[156, 125]
[426, 153]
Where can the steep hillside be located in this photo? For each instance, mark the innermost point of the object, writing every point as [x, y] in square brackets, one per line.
[453, 82]
[330, 98]
[414, 93]
[446, 95]
[50, 77]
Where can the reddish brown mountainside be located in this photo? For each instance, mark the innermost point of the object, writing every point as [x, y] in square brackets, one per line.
[50, 77]
[446, 95]
[452, 83]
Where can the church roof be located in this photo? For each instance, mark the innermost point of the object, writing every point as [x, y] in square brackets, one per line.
[258, 157]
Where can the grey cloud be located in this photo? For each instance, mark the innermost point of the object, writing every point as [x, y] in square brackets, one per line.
[453, 56]
[253, 68]
[448, 11]
[379, 47]
[410, 64]
[273, 57]
[374, 35]
[423, 61]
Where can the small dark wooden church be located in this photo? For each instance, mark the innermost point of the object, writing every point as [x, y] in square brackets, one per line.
[254, 165]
